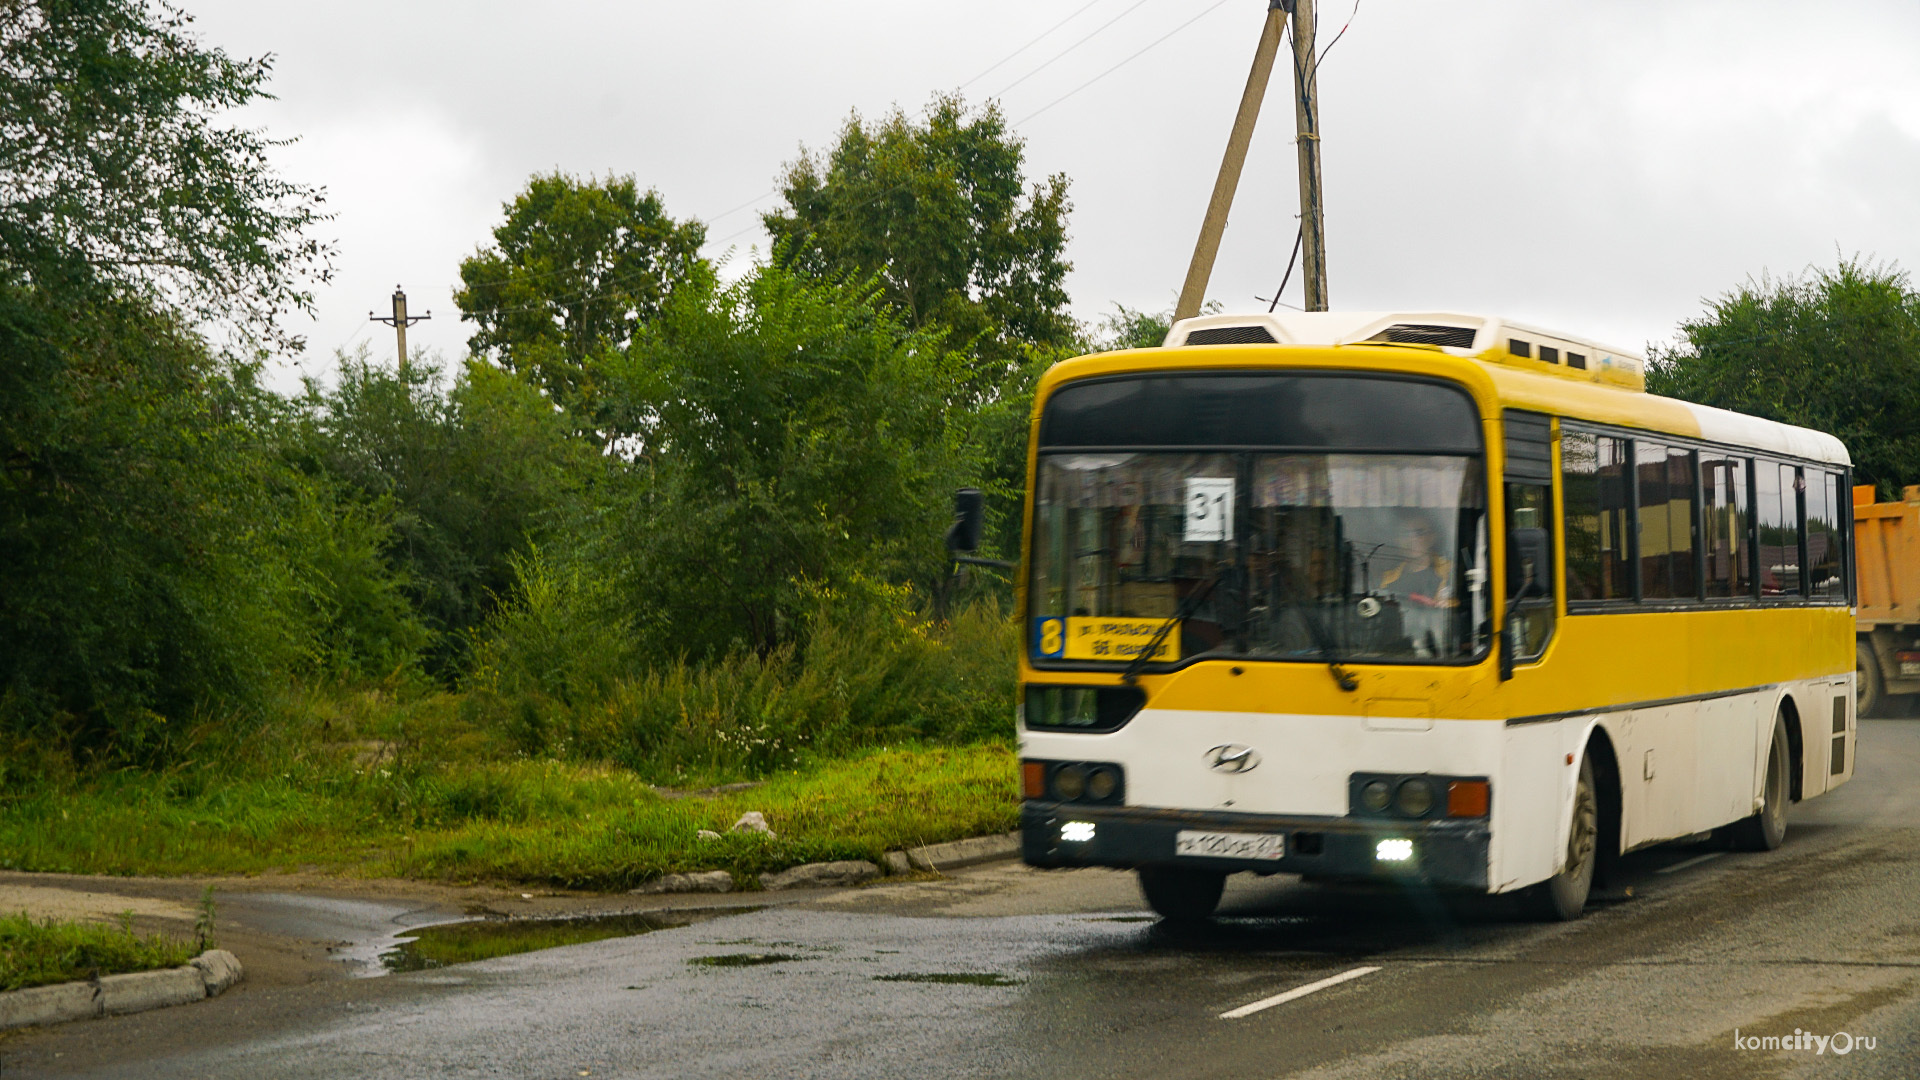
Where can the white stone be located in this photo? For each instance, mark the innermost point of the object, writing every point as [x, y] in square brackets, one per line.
[821, 874]
[706, 834]
[219, 969]
[752, 821]
[712, 881]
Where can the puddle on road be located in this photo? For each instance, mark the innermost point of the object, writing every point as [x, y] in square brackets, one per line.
[743, 959]
[952, 978]
[464, 942]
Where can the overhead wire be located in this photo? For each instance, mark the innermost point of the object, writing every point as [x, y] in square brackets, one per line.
[1043, 35]
[1096, 33]
[1150, 45]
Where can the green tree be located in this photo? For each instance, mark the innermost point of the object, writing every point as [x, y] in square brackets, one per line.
[143, 517]
[793, 434]
[117, 176]
[940, 211]
[1836, 350]
[467, 476]
[575, 269]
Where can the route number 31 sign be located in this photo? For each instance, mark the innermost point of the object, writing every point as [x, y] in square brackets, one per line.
[1209, 508]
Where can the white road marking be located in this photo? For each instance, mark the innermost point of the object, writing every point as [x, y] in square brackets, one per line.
[1695, 861]
[1296, 993]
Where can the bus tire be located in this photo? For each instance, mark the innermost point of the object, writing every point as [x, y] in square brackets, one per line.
[1765, 830]
[1180, 895]
[1563, 897]
[1869, 685]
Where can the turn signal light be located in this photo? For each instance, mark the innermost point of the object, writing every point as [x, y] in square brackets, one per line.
[1467, 798]
[1033, 779]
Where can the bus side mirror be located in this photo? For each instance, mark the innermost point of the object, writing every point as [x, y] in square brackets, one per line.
[969, 512]
[1529, 563]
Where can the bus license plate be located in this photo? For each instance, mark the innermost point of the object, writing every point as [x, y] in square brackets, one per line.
[1229, 845]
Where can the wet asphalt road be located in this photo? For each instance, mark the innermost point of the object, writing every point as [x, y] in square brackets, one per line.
[1003, 971]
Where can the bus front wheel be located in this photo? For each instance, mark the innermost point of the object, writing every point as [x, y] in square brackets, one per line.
[1180, 895]
[1766, 830]
[1562, 897]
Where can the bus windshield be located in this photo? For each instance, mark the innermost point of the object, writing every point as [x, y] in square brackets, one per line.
[1301, 556]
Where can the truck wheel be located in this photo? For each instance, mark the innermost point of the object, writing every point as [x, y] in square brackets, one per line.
[1562, 897]
[1766, 830]
[1180, 895]
[1869, 688]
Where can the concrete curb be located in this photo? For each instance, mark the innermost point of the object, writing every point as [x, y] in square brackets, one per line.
[206, 976]
[957, 853]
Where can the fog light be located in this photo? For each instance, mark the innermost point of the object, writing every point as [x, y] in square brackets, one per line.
[1387, 850]
[1376, 795]
[1416, 798]
[1069, 783]
[1101, 784]
[1080, 832]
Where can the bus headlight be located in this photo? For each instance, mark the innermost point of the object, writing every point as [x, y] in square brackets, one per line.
[1415, 798]
[1069, 783]
[1376, 795]
[1100, 784]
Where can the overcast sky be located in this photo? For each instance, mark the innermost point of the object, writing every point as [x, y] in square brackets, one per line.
[1599, 168]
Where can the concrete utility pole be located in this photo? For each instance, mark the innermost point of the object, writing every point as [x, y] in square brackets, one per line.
[1194, 292]
[1306, 112]
[400, 320]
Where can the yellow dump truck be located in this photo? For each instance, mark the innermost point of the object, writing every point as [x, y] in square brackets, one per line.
[1887, 553]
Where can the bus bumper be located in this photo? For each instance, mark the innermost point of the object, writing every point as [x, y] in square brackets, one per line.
[1448, 854]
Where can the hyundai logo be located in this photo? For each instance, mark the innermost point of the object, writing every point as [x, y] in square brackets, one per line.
[1233, 758]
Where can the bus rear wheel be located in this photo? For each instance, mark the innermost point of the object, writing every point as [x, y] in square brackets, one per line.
[1767, 829]
[1181, 895]
[1869, 687]
[1563, 897]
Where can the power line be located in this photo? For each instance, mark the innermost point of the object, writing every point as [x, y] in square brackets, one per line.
[765, 194]
[1336, 38]
[1121, 64]
[998, 63]
[1096, 33]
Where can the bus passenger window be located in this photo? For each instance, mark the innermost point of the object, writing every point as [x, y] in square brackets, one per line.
[1724, 526]
[1666, 521]
[1825, 545]
[1779, 515]
[1594, 478]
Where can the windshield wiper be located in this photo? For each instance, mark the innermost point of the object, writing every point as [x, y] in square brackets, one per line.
[1187, 607]
[1322, 640]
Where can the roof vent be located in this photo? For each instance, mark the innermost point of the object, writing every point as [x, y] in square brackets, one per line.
[1231, 335]
[1458, 337]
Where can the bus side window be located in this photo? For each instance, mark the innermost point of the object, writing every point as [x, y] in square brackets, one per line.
[1725, 521]
[1779, 515]
[1666, 521]
[1595, 489]
[1826, 546]
[1530, 621]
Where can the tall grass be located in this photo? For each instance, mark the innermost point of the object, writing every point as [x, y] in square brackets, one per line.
[888, 728]
[874, 669]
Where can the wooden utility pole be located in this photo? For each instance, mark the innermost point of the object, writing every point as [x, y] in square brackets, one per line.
[1306, 113]
[1194, 292]
[400, 320]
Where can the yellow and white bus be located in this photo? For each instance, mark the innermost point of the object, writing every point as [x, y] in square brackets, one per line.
[1428, 597]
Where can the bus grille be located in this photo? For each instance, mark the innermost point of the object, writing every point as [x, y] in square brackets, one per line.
[1459, 337]
[1231, 335]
